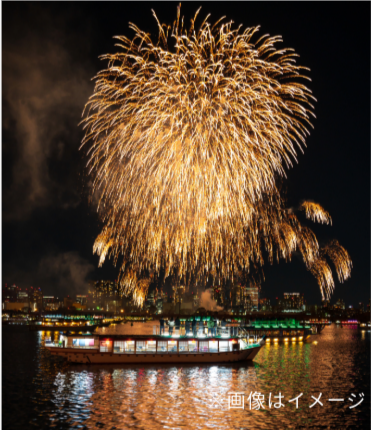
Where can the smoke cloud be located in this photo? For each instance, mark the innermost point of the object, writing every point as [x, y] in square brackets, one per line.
[207, 302]
[44, 92]
[66, 272]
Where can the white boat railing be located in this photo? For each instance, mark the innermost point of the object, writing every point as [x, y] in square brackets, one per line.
[199, 331]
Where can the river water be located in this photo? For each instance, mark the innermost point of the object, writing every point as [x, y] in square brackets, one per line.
[39, 391]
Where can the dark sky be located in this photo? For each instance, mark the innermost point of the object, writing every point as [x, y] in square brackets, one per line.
[50, 54]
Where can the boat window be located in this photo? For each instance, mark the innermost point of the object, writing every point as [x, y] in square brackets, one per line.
[82, 342]
[172, 346]
[183, 346]
[104, 345]
[213, 346]
[192, 346]
[141, 346]
[223, 346]
[162, 346]
[118, 346]
[146, 346]
[204, 346]
[151, 345]
[129, 346]
[188, 346]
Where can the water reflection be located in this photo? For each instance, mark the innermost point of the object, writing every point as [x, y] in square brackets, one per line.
[61, 395]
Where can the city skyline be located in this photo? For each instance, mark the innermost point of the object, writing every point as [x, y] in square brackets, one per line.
[48, 238]
[238, 299]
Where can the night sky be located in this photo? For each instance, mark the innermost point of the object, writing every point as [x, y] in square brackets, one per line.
[50, 54]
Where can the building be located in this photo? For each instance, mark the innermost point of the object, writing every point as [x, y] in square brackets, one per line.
[326, 304]
[50, 303]
[218, 295]
[67, 302]
[82, 299]
[196, 300]
[105, 295]
[16, 306]
[127, 303]
[339, 304]
[253, 294]
[150, 302]
[265, 304]
[312, 308]
[159, 306]
[168, 308]
[236, 295]
[22, 296]
[186, 306]
[10, 293]
[178, 292]
[35, 298]
[291, 302]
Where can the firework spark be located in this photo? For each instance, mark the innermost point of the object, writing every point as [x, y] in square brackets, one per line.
[316, 213]
[186, 137]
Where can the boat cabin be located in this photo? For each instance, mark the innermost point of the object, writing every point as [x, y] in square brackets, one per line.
[119, 344]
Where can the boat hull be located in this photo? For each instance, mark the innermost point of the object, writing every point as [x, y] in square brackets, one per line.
[95, 357]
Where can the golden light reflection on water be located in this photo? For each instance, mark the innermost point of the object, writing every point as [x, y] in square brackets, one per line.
[196, 397]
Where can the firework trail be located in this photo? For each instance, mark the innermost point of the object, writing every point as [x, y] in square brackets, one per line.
[186, 136]
[316, 213]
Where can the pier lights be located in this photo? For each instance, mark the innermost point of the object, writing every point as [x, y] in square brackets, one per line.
[301, 338]
[286, 339]
[275, 339]
[268, 340]
[294, 339]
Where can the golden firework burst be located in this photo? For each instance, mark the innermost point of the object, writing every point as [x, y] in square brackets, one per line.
[186, 136]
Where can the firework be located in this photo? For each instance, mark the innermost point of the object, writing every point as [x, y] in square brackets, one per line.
[340, 258]
[186, 137]
[316, 213]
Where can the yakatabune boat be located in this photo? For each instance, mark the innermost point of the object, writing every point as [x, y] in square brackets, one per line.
[114, 349]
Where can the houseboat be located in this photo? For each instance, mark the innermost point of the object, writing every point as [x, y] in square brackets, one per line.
[281, 330]
[200, 347]
[63, 325]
